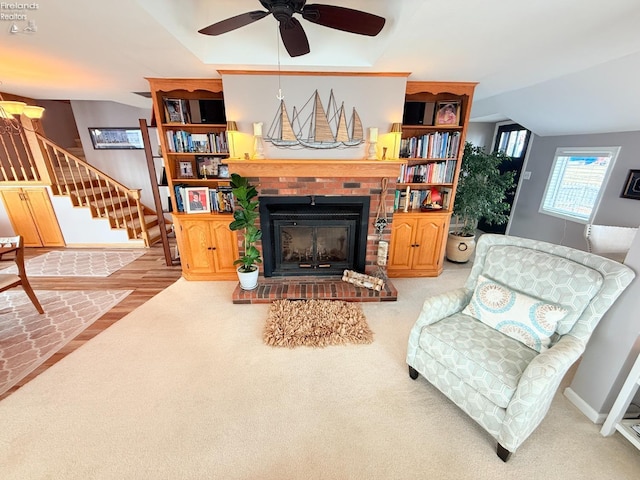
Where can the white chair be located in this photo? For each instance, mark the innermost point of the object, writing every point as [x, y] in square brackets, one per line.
[609, 241]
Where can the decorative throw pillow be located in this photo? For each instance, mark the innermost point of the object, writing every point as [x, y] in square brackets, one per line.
[529, 320]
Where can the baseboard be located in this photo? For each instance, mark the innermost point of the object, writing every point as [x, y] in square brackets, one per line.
[584, 407]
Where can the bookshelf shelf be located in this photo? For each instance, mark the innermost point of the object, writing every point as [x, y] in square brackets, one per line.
[195, 146]
[431, 156]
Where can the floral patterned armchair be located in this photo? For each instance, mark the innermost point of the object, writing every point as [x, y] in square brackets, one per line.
[500, 346]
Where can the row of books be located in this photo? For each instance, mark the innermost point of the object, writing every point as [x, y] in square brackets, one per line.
[436, 172]
[408, 199]
[180, 141]
[219, 200]
[431, 145]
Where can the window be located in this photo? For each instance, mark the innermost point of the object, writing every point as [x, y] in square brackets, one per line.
[513, 140]
[576, 182]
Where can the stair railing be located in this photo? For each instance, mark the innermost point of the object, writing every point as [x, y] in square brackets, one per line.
[89, 187]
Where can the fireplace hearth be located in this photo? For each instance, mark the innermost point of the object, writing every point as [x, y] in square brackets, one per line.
[313, 234]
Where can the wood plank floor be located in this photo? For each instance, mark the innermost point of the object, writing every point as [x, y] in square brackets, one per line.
[146, 276]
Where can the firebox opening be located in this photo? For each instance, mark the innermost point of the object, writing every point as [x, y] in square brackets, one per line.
[313, 235]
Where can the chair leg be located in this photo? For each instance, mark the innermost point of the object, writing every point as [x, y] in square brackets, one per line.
[30, 293]
[413, 373]
[503, 453]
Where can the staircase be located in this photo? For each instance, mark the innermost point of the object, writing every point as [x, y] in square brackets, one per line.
[105, 198]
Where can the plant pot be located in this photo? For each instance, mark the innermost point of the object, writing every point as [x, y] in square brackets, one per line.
[460, 247]
[248, 280]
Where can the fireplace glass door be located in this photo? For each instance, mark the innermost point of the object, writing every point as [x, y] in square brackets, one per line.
[308, 245]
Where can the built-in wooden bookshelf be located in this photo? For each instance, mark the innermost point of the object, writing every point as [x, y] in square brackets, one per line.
[436, 117]
[193, 139]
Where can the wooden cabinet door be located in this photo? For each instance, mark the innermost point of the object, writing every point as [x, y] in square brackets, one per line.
[402, 239]
[207, 247]
[428, 241]
[194, 243]
[44, 216]
[32, 216]
[20, 216]
[225, 244]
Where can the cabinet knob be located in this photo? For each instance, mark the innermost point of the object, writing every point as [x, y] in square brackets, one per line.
[211, 248]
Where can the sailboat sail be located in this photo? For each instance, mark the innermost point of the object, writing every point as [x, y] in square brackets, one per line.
[358, 132]
[342, 135]
[286, 130]
[322, 130]
[321, 126]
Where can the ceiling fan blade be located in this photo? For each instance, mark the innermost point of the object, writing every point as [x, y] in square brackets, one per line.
[294, 38]
[345, 19]
[232, 23]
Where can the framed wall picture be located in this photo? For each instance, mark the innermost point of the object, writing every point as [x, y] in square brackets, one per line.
[197, 200]
[116, 138]
[185, 169]
[447, 114]
[632, 186]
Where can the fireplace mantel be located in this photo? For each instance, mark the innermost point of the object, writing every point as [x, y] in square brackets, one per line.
[315, 168]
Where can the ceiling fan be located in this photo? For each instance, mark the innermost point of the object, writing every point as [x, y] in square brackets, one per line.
[291, 31]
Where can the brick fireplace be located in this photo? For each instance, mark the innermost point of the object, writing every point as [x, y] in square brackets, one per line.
[373, 179]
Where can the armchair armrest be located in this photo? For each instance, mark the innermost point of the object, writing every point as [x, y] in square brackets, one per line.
[434, 309]
[536, 389]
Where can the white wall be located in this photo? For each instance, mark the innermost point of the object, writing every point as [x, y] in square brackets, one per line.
[379, 101]
[613, 210]
[614, 346]
[128, 167]
[481, 134]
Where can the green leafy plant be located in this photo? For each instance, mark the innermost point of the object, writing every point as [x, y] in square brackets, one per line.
[482, 189]
[245, 219]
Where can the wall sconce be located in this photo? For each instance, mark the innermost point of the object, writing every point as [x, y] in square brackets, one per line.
[373, 139]
[257, 141]
[396, 130]
[232, 129]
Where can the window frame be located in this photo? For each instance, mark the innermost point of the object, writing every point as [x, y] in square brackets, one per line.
[612, 152]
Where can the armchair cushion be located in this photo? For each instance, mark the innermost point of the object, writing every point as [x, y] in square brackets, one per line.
[529, 320]
[489, 361]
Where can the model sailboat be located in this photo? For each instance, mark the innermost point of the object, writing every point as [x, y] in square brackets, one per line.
[319, 129]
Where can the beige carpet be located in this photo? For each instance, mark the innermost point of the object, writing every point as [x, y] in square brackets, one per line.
[185, 388]
[78, 263]
[315, 323]
[28, 339]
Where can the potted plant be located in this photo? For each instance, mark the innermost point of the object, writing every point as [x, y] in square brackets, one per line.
[481, 193]
[245, 216]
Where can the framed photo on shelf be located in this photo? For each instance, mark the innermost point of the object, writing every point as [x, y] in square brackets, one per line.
[197, 200]
[175, 110]
[447, 114]
[632, 185]
[207, 167]
[116, 138]
[223, 171]
[185, 169]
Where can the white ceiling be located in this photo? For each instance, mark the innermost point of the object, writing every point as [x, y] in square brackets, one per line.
[557, 67]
